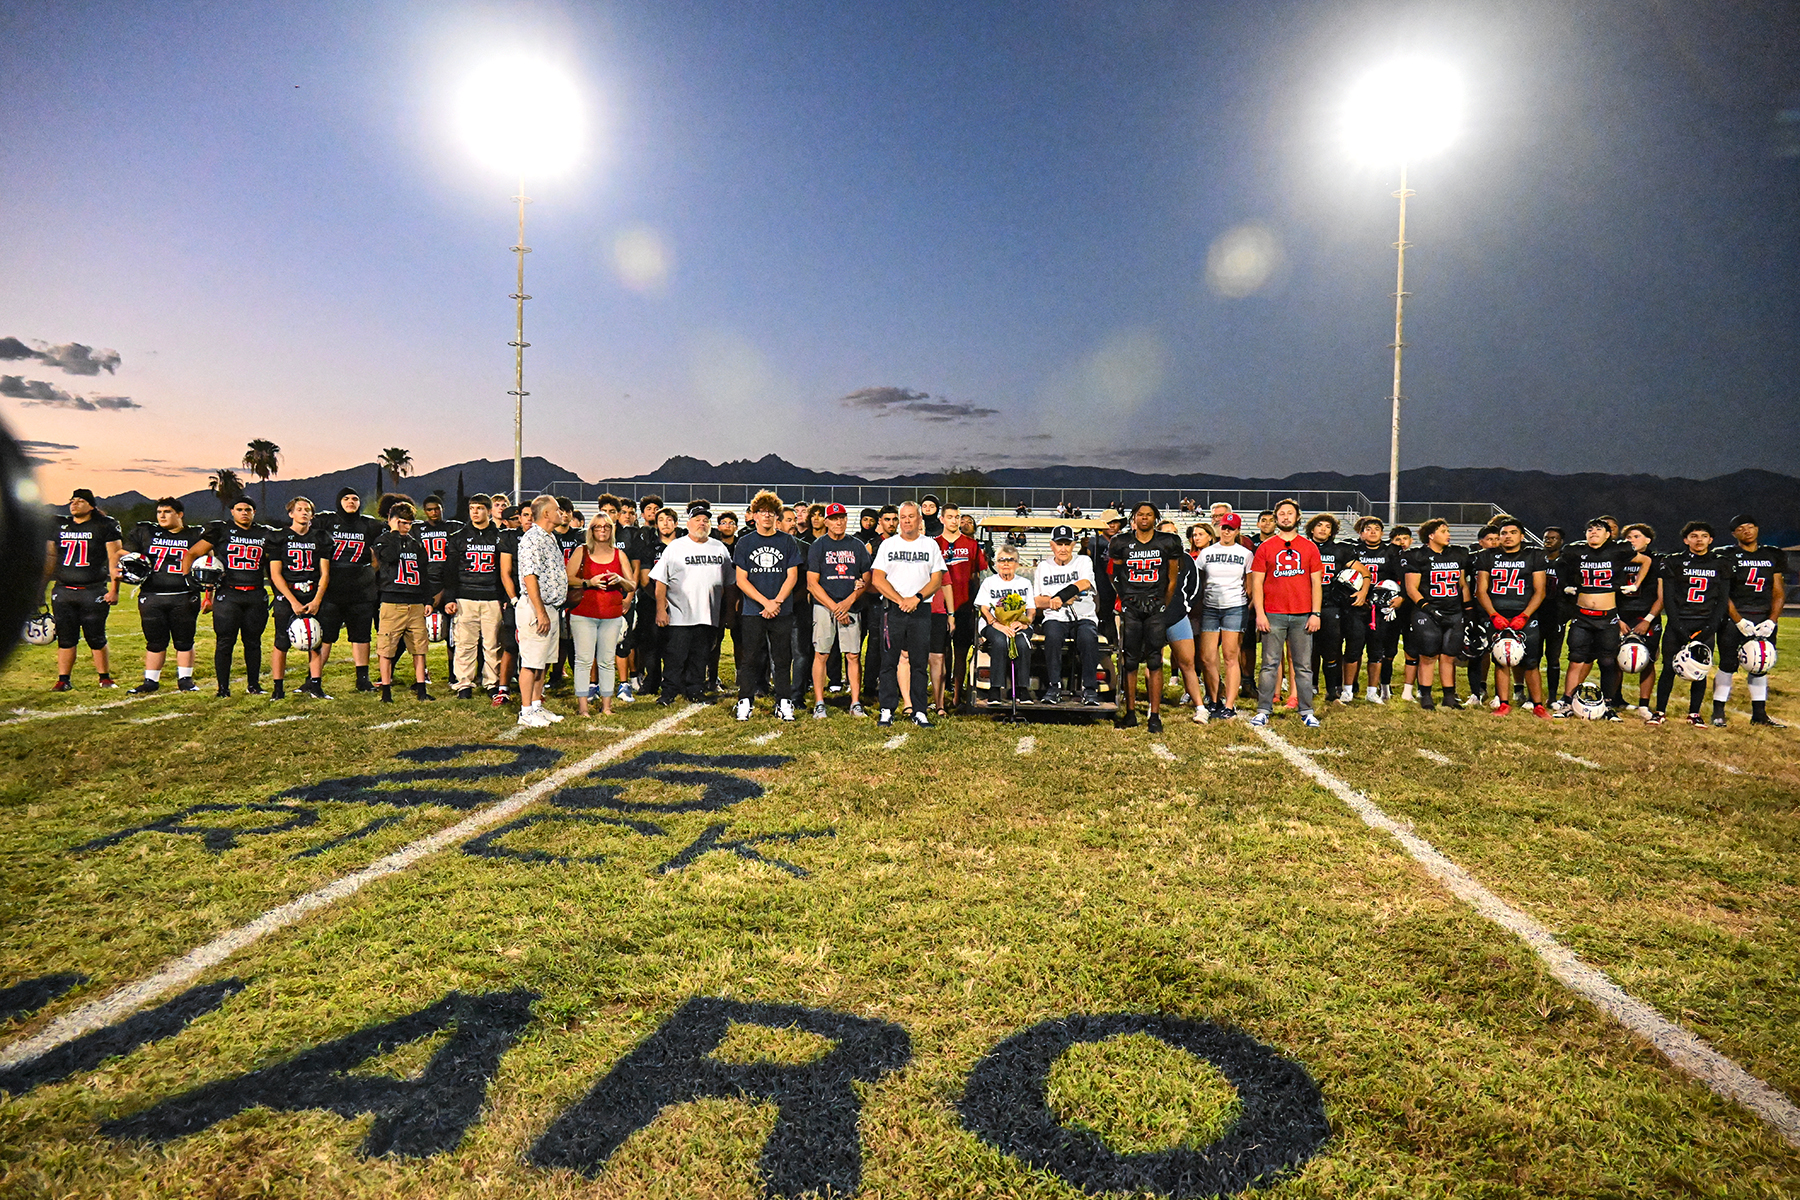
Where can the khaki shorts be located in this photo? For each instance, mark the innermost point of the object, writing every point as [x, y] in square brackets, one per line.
[825, 627]
[402, 624]
[536, 653]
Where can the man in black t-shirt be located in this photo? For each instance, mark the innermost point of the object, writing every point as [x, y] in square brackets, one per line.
[240, 605]
[300, 570]
[406, 595]
[1146, 566]
[1697, 588]
[837, 571]
[1758, 594]
[351, 605]
[168, 606]
[1437, 582]
[767, 565]
[1511, 587]
[83, 564]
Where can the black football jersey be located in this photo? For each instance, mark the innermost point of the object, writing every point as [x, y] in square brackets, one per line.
[1384, 562]
[1143, 568]
[300, 555]
[1511, 578]
[508, 542]
[164, 550]
[1695, 586]
[1753, 575]
[1593, 571]
[81, 556]
[1336, 556]
[244, 552]
[353, 538]
[472, 571]
[570, 540]
[1442, 574]
[400, 568]
[435, 536]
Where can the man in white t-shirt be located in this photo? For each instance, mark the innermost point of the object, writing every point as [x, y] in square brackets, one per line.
[908, 570]
[690, 590]
[1008, 641]
[1063, 591]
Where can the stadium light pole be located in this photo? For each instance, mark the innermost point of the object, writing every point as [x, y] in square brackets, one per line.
[1398, 113]
[522, 116]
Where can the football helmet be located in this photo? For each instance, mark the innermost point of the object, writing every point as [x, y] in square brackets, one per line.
[1757, 656]
[1390, 590]
[1349, 579]
[1693, 661]
[1588, 702]
[1477, 636]
[304, 633]
[40, 630]
[1634, 654]
[207, 571]
[134, 569]
[435, 627]
[1509, 649]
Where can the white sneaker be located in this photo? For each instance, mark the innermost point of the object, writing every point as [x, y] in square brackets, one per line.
[1495, 702]
[1373, 696]
[533, 718]
[1346, 694]
[625, 695]
[742, 712]
[550, 717]
[1406, 692]
[784, 709]
[1201, 716]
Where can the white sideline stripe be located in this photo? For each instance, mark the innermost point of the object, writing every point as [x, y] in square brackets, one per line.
[895, 742]
[1580, 762]
[1434, 756]
[1685, 1050]
[176, 716]
[1026, 745]
[281, 720]
[178, 972]
[396, 724]
[34, 715]
[763, 739]
[1163, 752]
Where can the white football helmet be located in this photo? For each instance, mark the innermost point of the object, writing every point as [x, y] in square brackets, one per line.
[40, 630]
[1388, 590]
[207, 571]
[1758, 656]
[304, 633]
[1349, 578]
[435, 627]
[1693, 661]
[134, 569]
[1588, 702]
[1509, 649]
[1634, 655]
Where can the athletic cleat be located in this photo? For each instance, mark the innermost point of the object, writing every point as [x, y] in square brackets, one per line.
[624, 695]
[784, 709]
[363, 685]
[819, 713]
[186, 684]
[1202, 715]
[1612, 714]
[1154, 724]
[922, 719]
[554, 717]
[1373, 696]
[1453, 702]
[1768, 722]
[253, 689]
[465, 693]
[886, 719]
[1310, 720]
[1560, 708]
[1655, 718]
[1259, 721]
[1502, 709]
[62, 685]
[1426, 702]
[667, 701]
[1696, 720]
[145, 688]
[741, 710]
[533, 718]
[857, 710]
[1719, 721]
[1497, 704]
[1345, 695]
[105, 681]
[1539, 711]
[1127, 719]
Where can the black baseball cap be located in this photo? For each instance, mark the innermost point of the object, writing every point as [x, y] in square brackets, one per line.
[1740, 519]
[1062, 533]
[699, 506]
[82, 494]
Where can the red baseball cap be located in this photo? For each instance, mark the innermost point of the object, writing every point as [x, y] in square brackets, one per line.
[1231, 521]
[836, 510]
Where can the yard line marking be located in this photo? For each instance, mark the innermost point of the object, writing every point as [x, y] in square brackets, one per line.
[763, 739]
[281, 720]
[1729, 769]
[1242, 748]
[1163, 752]
[1026, 745]
[1580, 762]
[509, 733]
[1434, 756]
[1315, 750]
[1685, 1050]
[689, 733]
[179, 972]
[396, 724]
[45, 715]
[895, 742]
[176, 716]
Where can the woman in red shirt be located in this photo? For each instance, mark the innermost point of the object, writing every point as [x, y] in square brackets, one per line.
[604, 578]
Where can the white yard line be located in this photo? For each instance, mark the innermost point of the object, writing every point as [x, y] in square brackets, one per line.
[396, 724]
[1434, 756]
[34, 715]
[895, 742]
[282, 720]
[175, 716]
[1685, 1050]
[1163, 752]
[1580, 762]
[1026, 745]
[1335, 751]
[763, 739]
[1242, 748]
[179, 972]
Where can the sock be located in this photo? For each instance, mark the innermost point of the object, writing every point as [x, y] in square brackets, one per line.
[1696, 694]
[1406, 692]
[1759, 710]
[278, 693]
[1721, 688]
[63, 678]
[419, 690]
[180, 672]
[1424, 692]
[362, 674]
[1450, 692]
[1759, 688]
[1718, 708]
[153, 676]
[387, 693]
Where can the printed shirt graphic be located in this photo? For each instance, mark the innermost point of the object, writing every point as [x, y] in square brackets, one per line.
[766, 561]
[839, 563]
[164, 550]
[244, 552]
[403, 568]
[1697, 585]
[1142, 568]
[694, 574]
[300, 555]
[1049, 579]
[994, 589]
[1511, 578]
[1441, 575]
[1287, 569]
[962, 559]
[1224, 568]
[909, 564]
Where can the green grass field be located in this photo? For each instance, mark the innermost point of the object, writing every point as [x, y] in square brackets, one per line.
[952, 886]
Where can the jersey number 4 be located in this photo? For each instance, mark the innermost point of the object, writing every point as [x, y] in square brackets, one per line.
[1445, 583]
[1754, 580]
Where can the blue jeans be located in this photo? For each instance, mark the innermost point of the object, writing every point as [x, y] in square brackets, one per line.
[1288, 629]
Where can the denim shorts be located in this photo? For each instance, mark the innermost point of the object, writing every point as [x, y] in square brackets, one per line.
[1231, 620]
[1182, 631]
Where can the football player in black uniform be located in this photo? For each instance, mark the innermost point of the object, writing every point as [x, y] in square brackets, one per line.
[1758, 594]
[1437, 582]
[1697, 584]
[1338, 646]
[473, 595]
[300, 572]
[1402, 539]
[434, 533]
[168, 607]
[406, 596]
[1382, 562]
[351, 605]
[1475, 640]
[1146, 566]
[1511, 586]
[240, 605]
[1557, 612]
[1642, 611]
[1597, 575]
[83, 563]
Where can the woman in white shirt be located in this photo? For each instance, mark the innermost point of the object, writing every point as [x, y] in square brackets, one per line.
[1225, 564]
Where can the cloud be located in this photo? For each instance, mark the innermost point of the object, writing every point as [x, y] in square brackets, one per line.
[73, 357]
[160, 466]
[885, 401]
[31, 445]
[1155, 459]
[48, 395]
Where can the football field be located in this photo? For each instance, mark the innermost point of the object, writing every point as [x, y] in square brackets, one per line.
[349, 949]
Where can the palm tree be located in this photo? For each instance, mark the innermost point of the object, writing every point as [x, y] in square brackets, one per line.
[397, 463]
[262, 458]
[226, 487]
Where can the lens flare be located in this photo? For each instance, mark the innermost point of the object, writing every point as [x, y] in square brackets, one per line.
[641, 259]
[1242, 259]
[1404, 110]
[521, 115]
